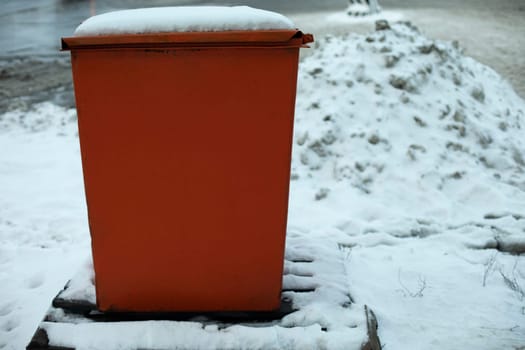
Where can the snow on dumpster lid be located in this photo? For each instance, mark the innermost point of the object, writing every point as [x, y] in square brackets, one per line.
[183, 19]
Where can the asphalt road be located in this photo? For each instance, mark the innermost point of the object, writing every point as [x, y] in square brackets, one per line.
[491, 31]
[35, 27]
[32, 69]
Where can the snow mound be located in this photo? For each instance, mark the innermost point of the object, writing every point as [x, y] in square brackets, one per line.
[410, 125]
[415, 153]
[183, 19]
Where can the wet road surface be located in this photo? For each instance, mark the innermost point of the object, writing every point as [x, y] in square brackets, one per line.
[35, 27]
[32, 69]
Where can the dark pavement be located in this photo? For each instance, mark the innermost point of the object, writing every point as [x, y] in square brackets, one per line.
[32, 69]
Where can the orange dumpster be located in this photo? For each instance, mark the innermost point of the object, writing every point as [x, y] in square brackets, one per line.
[186, 143]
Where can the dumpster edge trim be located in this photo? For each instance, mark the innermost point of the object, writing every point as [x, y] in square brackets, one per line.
[263, 39]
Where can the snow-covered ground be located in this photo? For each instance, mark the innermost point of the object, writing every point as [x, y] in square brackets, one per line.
[415, 152]
[43, 226]
[407, 152]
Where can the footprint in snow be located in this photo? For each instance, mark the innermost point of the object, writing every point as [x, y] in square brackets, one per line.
[10, 325]
[6, 309]
[35, 281]
[4, 259]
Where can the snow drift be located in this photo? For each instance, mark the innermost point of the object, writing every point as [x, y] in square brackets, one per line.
[411, 125]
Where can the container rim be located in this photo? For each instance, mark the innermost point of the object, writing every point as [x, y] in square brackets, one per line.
[249, 38]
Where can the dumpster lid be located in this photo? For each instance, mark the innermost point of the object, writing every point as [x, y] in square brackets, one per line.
[186, 26]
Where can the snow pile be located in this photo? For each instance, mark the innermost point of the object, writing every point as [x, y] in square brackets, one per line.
[415, 153]
[362, 8]
[183, 19]
[411, 121]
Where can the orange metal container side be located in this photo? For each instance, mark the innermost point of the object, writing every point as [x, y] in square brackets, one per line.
[186, 158]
